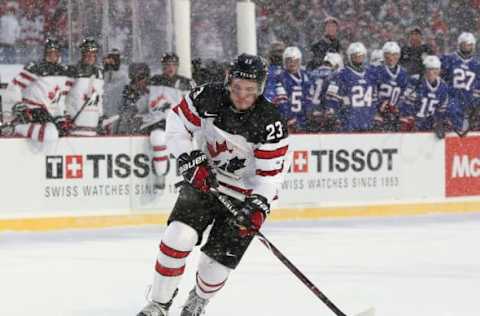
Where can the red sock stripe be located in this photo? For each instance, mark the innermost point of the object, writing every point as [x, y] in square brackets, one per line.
[173, 252]
[169, 272]
[30, 130]
[163, 158]
[208, 284]
[41, 133]
[159, 148]
[217, 287]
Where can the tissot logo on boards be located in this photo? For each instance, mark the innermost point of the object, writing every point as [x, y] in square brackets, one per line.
[96, 166]
[300, 161]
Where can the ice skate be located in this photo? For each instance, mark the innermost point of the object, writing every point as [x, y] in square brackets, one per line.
[195, 305]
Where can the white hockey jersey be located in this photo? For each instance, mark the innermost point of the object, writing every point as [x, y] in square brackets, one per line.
[44, 85]
[246, 149]
[164, 93]
[84, 102]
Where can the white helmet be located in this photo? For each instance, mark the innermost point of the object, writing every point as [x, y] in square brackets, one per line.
[356, 48]
[432, 62]
[376, 57]
[335, 59]
[466, 37]
[292, 52]
[391, 47]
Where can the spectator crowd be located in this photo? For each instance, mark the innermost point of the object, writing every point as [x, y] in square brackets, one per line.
[335, 66]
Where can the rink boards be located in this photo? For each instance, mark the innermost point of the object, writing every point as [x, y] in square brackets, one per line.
[108, 181]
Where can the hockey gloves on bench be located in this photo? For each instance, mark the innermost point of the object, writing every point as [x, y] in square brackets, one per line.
[195, 170]
[252, 215]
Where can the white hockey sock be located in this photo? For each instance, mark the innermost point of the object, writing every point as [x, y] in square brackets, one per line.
[211, 277]
[177, 243]
[40, 132]
[160, 153]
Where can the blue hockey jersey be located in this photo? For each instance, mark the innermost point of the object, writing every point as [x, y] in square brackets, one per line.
[352, 96]
[391, 83]
[320, 77]
[295, 91]
[273, 71]
[463, 79]
[425, 103]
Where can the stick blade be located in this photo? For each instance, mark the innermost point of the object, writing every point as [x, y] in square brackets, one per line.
[368, 312]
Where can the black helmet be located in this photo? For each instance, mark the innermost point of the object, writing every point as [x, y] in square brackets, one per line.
[138, 71]
[169, 58]
[51, 43]
[88, 45]
[249, 67]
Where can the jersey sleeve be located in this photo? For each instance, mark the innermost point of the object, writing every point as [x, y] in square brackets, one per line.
[26, 76]
[269, 157]
[183, 121]
[335, 95]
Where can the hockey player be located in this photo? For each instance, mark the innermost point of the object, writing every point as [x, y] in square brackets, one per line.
[351, 94]
[461, 71]
[134, 105]
[165, 90]
[328, 43]
[40, 115]
[293, 91]
[244, 142]
[426, 100]
[376, 57]
[320, 78]
[275, 67]
[84, 102]
[392, 80]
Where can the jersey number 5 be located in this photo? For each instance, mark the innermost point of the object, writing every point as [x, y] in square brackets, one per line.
[274, 131]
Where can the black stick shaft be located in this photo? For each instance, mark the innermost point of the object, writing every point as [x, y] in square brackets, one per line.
[232, 209]
[299, 274]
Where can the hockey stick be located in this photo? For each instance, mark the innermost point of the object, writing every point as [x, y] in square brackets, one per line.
[268, 244]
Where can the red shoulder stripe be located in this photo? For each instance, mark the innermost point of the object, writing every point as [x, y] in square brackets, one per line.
[191, 117]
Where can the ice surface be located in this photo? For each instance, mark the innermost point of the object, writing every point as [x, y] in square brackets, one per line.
[425, 266]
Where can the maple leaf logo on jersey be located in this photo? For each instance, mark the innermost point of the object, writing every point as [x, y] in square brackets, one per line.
[219, 148]
[232, 165]
[160, 103]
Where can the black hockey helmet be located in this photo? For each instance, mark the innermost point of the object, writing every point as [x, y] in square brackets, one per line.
[51, 43]
[89, 44]
[170, 58]
[138, 71]
[249, 67]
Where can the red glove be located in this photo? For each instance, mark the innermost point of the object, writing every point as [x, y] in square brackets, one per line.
[407, 124]
[252, 215]
[195, 170]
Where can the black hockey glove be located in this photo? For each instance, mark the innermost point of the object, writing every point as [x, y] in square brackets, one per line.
[195, 170]
[252, 215]
[440, 128]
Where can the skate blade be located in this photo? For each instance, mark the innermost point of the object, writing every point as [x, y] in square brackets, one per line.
[368, 312]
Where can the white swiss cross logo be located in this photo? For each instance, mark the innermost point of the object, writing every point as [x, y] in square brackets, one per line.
[74, 167]
[300, 161]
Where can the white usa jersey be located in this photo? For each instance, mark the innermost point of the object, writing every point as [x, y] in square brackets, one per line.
[246, 149]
